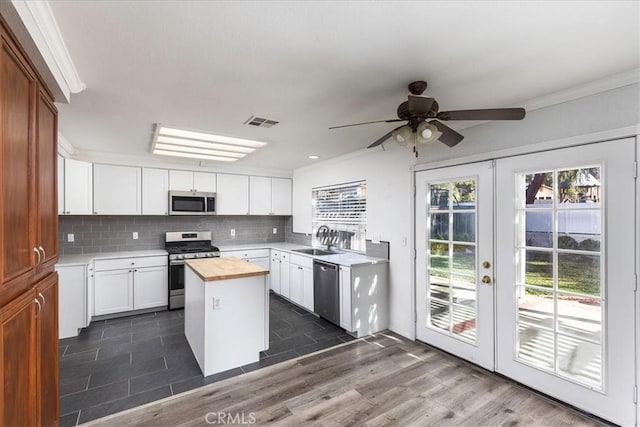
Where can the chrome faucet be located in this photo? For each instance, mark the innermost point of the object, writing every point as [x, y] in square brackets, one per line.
[325, 234]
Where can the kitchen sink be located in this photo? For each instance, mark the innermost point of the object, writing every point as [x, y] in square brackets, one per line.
[314, 251]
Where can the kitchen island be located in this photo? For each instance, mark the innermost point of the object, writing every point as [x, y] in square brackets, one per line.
[226, 312]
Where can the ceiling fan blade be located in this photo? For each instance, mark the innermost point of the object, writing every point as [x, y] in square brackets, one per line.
[449, 136]
[420, 104]
[487, 114]
[368, 123]
[384, 138]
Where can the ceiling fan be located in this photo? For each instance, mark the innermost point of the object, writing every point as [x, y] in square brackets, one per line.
[417, 112]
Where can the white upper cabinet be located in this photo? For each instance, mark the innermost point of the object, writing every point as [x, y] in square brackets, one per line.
[203, 182]
[60, 185]
[281, 196]
[155, 191]
[270, 196]
[260, 195]
[117, 190]
[232, 195]
[78, 194]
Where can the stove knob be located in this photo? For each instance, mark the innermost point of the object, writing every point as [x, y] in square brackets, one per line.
[209, 255]
[179, 256]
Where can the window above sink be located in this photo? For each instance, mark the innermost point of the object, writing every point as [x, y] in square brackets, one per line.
[342, 210]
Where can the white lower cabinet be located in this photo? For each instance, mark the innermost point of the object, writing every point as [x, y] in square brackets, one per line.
[113, 291]
[301, 280]
[364, 298]
[127, 284]
[147, 292]
[72, 305]
[285, 278]
[345, 298]
[274, 269]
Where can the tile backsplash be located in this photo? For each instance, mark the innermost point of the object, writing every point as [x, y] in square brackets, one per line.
[97, 233]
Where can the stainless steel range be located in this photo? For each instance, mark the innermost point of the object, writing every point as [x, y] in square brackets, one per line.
[183, 245]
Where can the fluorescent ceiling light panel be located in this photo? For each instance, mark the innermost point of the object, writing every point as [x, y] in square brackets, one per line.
[180, 133]
[195, 156]
[169, 147]
[199, 145]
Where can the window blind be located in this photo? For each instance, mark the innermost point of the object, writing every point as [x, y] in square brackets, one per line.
[342, 208]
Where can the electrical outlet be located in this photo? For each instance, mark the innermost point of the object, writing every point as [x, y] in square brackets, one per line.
[217, 303]
[71, 237]
[275, 230]
[135, 235]
[233, 232]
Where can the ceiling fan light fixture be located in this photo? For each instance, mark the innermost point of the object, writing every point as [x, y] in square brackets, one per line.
[427, 133]
[403, 136]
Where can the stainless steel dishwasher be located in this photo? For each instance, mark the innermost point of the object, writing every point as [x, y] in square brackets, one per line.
[326, 291]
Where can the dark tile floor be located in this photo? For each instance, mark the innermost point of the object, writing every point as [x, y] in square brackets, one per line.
[118, 364]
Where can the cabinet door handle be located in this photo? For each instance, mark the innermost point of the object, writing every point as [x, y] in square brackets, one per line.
[44, 254]
[39, 256]
[299, 268]
[130, 271]
[39, 307]
[135, 271]
[44, 301]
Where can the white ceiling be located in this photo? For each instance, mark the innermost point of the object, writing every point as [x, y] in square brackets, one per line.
[310, 65]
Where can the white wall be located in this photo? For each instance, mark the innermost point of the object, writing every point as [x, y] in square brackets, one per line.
[388, 176]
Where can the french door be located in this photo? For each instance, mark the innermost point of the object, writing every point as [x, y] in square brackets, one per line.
[560, 314]
[454, 261]
[565, 275]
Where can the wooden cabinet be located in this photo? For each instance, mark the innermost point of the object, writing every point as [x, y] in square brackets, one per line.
[47, 351]
[203, 182]
[28, 243]
[155, 191]
[232, 195]
[269, 196]
[17, 361]
[78, 182]
[117, 190]
[125, 284]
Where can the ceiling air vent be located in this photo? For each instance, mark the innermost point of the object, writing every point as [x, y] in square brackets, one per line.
[261, 122]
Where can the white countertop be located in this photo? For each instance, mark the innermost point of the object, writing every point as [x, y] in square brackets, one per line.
[348, 259]
[85, 259]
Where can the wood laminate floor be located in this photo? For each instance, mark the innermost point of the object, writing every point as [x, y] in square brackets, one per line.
[383, 380]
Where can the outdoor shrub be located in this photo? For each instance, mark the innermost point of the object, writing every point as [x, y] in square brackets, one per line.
[567, 242]
[589, 245]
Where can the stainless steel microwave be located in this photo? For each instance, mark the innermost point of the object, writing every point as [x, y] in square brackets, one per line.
[190, 203]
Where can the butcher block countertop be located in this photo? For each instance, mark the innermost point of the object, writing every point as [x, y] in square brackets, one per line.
[210, 269]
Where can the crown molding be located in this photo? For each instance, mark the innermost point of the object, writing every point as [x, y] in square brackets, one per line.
[65, 149]
[39, 21]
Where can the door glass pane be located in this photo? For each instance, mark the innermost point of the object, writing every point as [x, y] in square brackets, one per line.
[539, 229]
[580, 360]
[439, 229]
[439, 196]
[539, 268]
[560, 310]
[579, 229]
[579, 186]
[464, 226]
[452, 287]
[537, 190]
[579, 273]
